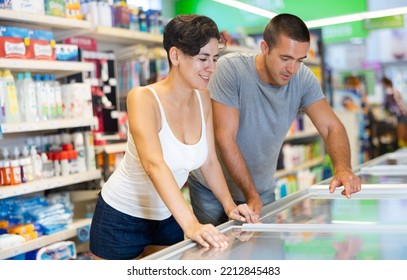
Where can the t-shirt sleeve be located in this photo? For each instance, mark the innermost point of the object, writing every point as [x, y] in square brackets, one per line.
[223, 86]
[313, 91]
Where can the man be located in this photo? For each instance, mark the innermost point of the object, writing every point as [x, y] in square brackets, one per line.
[255, 99]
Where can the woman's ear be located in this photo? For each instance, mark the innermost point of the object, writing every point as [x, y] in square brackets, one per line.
[174, 56]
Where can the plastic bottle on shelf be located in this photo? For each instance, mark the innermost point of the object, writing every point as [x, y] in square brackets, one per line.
[79, 146]
[47, 166]
[36, 163]
[15, 168]
[6, 168]
[2, 99]
[90, 150]
[58, 96]
[26, 165]
[142, 18]
[42, 100]
[20, 95]
[1, 173]
[105, 12]
[93, 12]
[5, 177]
[50, 94]
[64, 161]
[121, 14]
[11, 103]
[56, 159]
[30, 107]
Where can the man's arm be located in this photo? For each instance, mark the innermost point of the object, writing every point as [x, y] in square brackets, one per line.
[337, 144]
[226, 124]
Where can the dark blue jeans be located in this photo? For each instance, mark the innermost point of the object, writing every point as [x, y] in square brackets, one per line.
[118, 236]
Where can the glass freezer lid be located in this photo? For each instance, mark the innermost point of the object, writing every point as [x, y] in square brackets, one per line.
[307, 245]
[397, 158]
[336, 209]
[379, 178]
[314, 224]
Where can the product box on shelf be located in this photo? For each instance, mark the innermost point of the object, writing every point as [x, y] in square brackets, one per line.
[85, 43]
[77, 100]
[66, 52]
[31, 6]
[14, 42]
[55, 7]
[42, 45]
[73, 9]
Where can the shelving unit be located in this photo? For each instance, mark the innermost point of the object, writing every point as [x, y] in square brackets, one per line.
[124, 36]
[69, 232]
[47, 125]
[302, 135]
[60, 68]
[62, 28]
[111, 148]
[48, 184]
[44, 20]
[284, 172]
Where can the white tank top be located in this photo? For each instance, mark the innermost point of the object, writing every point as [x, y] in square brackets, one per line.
[131, 191]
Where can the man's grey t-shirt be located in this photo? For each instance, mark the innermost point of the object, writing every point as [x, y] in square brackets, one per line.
[266, 114]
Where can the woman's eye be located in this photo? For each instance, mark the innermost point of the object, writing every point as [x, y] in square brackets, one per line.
[202, 59]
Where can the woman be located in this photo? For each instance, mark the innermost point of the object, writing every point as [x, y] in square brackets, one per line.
[141, 209]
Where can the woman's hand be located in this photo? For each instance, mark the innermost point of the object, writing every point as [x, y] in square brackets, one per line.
[243, 213]
[206, 235]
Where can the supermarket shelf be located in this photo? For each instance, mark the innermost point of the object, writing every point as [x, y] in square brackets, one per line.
[111, 148]
[48, 125]
[66, 27]
[308, 164]
[124, 36]
[44, 240]
[47, 184]
[313, 61]
[60, 68]
[301, 135]
[44, 20]
[237, 48]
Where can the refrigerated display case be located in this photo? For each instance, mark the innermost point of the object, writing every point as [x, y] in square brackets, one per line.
[313, 224]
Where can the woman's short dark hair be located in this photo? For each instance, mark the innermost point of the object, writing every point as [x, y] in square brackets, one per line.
[286, 24]
[189, 33]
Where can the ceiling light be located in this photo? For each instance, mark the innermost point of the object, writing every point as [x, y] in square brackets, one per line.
[247, 8]
[356, 17]
[322, 21]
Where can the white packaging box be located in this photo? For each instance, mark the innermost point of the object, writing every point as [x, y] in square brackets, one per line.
[30, 6]
[77, 100]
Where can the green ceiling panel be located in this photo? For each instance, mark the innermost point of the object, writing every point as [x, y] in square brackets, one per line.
[235, 20]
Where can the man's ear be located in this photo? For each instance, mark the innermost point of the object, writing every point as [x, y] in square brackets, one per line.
[264, 47]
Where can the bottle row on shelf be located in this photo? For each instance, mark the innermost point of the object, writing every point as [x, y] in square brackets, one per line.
[48, 156]
[109, 13]
[41, 98]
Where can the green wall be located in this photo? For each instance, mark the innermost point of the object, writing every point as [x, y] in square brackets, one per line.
[235, 20]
